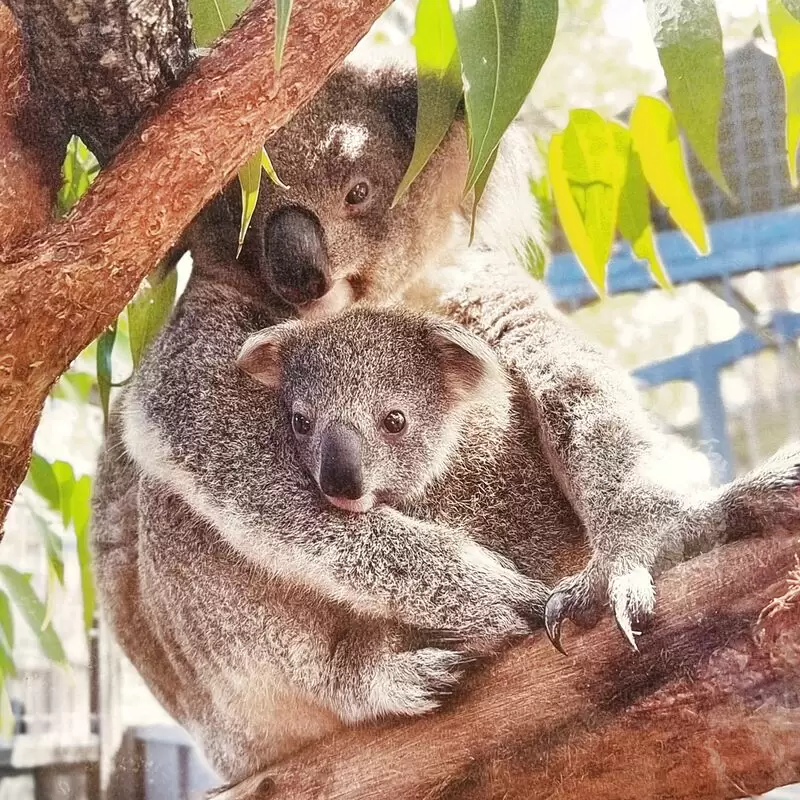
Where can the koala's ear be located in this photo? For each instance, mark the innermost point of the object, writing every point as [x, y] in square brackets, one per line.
[261, 355]
[471, 369]
[397, 96]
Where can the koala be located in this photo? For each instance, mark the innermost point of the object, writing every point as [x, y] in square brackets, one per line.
[263, 616]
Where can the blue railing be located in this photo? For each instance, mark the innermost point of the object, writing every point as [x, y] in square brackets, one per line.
[756, 242]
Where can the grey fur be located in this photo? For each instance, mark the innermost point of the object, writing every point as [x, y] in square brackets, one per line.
[261, 617]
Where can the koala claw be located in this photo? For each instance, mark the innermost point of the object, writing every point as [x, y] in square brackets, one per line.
[581, 599]
[553, 617]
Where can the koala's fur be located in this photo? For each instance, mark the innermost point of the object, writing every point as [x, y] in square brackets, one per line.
[263, 618]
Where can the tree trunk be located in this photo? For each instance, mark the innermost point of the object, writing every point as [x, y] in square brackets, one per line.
[62, 288]
[709, 707]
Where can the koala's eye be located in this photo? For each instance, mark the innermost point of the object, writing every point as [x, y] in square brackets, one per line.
[358, 194]
[394, 422]
[301, 425]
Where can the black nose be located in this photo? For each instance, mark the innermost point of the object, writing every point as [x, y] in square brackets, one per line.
[295, 255]
[340, 473]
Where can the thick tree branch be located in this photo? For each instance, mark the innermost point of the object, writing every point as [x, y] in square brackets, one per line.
[710, 707]
[27, 185]
[96, 65]
[59, 291]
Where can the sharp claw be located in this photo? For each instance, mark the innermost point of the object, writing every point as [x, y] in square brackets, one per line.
[553, 620]
[624, 625]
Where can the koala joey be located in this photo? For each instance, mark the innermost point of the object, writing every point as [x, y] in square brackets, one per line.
[412, 411]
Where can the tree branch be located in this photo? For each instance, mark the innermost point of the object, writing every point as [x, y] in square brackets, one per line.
[58, 292]
[710, 707]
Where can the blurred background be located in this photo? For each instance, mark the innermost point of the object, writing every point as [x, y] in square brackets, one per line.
[716, 358]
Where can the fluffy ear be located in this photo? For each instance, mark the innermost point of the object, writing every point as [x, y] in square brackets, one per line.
[262, 354]
[471, 369]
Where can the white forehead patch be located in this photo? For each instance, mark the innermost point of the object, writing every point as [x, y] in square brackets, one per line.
[350, 139]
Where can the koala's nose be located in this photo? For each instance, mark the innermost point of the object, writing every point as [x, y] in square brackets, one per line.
[295, 255]
[340, 473]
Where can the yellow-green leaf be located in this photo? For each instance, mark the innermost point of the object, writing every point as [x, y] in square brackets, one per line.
[793, 7]
[688, 36]
[79, 169]
[503, 45]
[33, 612]
[633, 218]
[786, 30]
[439, 86]
[44, 481]
[148, 311]
[266, 164]
[105, 346]
[283, 11]
[80, 522]
[211, 18]
[658, 145]
[250, 182]
[66, 480]
[586, 174]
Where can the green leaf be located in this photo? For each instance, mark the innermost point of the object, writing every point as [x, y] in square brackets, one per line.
[478, 190]
[266, 164]
[78, 170]
[586, 174]
[53, 546]
[74, 386]
[656, 141]
[44, 481]
[7, 720]
[148, 311]
[533, 257]
[283, 11]
[250, 182]
[211, 18]
[81, 512]
[633, 218]
[439, 87]
[6, 620]
[105, 346]
[688, 36]
[784, 23]
[66, 480]
[33, 611]
[503, 45]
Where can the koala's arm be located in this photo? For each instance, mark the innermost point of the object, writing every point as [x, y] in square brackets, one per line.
[627, 480]
[219, 440]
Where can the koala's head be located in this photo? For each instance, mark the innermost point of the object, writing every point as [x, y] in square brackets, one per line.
[333, 233]
[375, 399]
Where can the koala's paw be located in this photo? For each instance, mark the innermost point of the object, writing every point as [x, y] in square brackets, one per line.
[413, 682]
[582, 598]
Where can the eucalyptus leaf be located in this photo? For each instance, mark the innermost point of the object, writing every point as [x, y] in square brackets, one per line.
[658, 145]
[266, 165]
[105, 347]
[503, 45]
[250, 182]
[149, 310]
[66, 480]
[81, 511]
[478, 190]
[211, 18]
[586, 174]
[78, 170]
[283, 11]
[53, 546]
[633, 219]
[785, 26]
[7, 719]
[439, 88]
[6, 620]
[44, 481]
[33, 612]
[688, 36]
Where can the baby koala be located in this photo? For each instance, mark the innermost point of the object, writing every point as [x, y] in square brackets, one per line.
[410, 410]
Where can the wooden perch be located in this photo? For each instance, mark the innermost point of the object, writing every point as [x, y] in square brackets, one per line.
[64, 286]
[709, 707]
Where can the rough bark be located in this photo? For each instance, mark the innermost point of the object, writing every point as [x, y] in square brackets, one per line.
[709, 707]
[96, 65]
[62, 288]
[27, 186]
